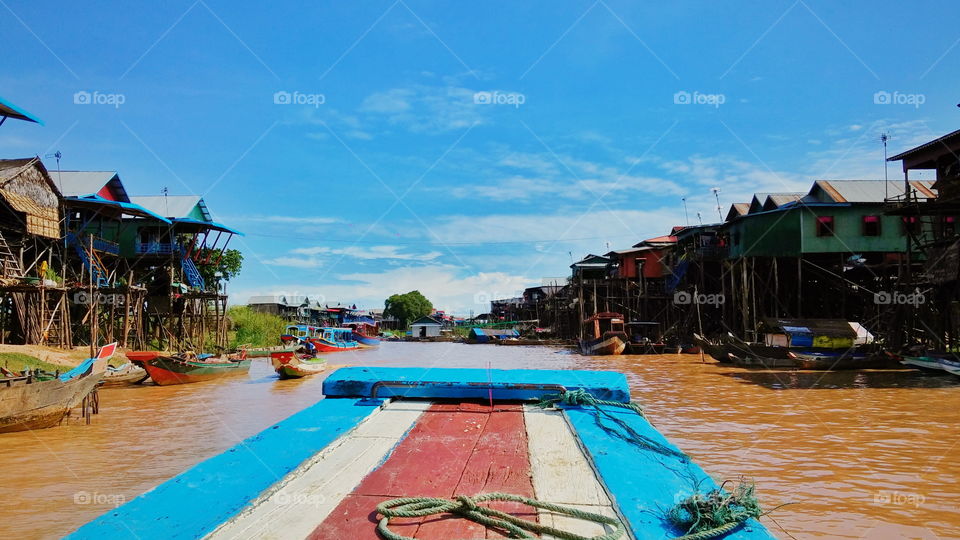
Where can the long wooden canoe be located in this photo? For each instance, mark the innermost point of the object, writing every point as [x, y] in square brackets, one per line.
[168, 369]
[27, 403]
[291, 365]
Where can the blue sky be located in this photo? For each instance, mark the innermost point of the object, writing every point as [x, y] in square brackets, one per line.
[379, 168]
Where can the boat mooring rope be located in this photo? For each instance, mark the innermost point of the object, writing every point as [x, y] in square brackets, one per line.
[467, 508]
[581, 397]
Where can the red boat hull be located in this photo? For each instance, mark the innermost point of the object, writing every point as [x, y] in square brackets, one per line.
[323, 345]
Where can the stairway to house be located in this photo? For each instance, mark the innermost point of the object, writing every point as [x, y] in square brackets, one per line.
[91, 261]
[192, 274]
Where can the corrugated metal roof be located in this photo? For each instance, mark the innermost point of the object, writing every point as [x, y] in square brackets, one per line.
[780, 199]
[938, 141]
[863, 191]
[172, 206]
[10, 110]
[81, 183]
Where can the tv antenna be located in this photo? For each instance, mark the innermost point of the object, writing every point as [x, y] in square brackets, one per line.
[685, 214]
[716, 194]
[57, 155]
[884, 137]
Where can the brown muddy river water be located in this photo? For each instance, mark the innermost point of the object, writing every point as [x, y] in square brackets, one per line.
[859, 455]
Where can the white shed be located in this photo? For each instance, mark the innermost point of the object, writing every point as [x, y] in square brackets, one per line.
[426, 327]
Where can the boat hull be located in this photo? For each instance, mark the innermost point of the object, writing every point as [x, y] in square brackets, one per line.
[40, 404]
[607, 345]
[323, 345]
[289, 365]
[130, 374]
[365, 341]
[168, 370]
[933, 363]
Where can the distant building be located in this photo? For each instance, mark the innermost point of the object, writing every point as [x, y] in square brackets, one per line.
[426, 327]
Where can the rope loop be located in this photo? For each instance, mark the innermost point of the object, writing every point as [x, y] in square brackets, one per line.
[468, 508]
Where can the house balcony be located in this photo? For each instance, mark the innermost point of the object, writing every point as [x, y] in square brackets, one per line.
[156, 248]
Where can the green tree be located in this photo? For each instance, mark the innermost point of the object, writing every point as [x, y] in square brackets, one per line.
[229, 265]
[407, 308]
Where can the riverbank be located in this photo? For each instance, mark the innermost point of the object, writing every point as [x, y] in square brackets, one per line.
[859, 454]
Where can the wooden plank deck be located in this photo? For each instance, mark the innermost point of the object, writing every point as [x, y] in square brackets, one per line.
[562, 474]
[308, 495]
[454, 449]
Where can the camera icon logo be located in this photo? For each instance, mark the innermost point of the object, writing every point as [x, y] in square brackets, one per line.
[281, 97]
[882, 298]
[81, 98]
[681, 98]
[682, 298]
[81, 298]
[882, 98]
[482, 98]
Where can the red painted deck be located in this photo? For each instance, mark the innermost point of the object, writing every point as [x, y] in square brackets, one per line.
[454, 449]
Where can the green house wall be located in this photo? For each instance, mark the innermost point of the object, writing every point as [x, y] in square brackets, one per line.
[792, 232]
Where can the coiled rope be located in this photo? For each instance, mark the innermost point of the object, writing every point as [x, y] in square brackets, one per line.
[467, 508]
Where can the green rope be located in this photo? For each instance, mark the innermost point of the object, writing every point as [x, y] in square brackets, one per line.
[581, 397]
[466, 507]
[716, 513]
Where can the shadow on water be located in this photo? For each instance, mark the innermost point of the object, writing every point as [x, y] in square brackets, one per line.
[805, 380]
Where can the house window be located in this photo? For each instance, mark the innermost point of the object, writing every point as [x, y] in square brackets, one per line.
[825, 226]
[871, 225]
[949, 226]
[911, 225]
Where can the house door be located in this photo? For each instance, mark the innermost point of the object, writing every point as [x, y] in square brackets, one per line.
[423, 331]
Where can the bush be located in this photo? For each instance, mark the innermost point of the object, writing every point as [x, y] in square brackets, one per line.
[254, 328]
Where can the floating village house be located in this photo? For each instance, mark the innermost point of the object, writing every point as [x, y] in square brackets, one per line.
[426, 327]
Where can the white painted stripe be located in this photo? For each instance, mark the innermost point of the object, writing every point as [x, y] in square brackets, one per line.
[562, 474]
[298, 503]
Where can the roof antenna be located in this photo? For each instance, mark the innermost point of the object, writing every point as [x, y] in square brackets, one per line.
[57, 155]
[716, 193]
[700, 218]
[884, 138]
[685, 214]
[166, 206]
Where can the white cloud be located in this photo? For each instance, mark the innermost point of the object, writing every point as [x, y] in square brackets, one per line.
[307, 220]
[445, 286]
[294, 262]
[368, 253]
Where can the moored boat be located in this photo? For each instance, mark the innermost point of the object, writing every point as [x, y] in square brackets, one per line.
[298, 333]
[364, 333]
[293, 365]
[476, 438]
[933, 361]
[182, 368]
[31, 401]
[128, 373]
[334, 340]
[608, 335]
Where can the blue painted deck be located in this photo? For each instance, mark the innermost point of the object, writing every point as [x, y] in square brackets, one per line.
[644, 483]
[512, 384]
[195, 502]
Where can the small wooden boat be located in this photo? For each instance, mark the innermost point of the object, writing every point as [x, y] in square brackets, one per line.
[293, 365]
[934, 361]
[463, 435]
[718, 350]
[298, 333]
[334, 340]
[367, 334]
[182, 368]
[125, 374]
[30, 402]
[608, 335]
